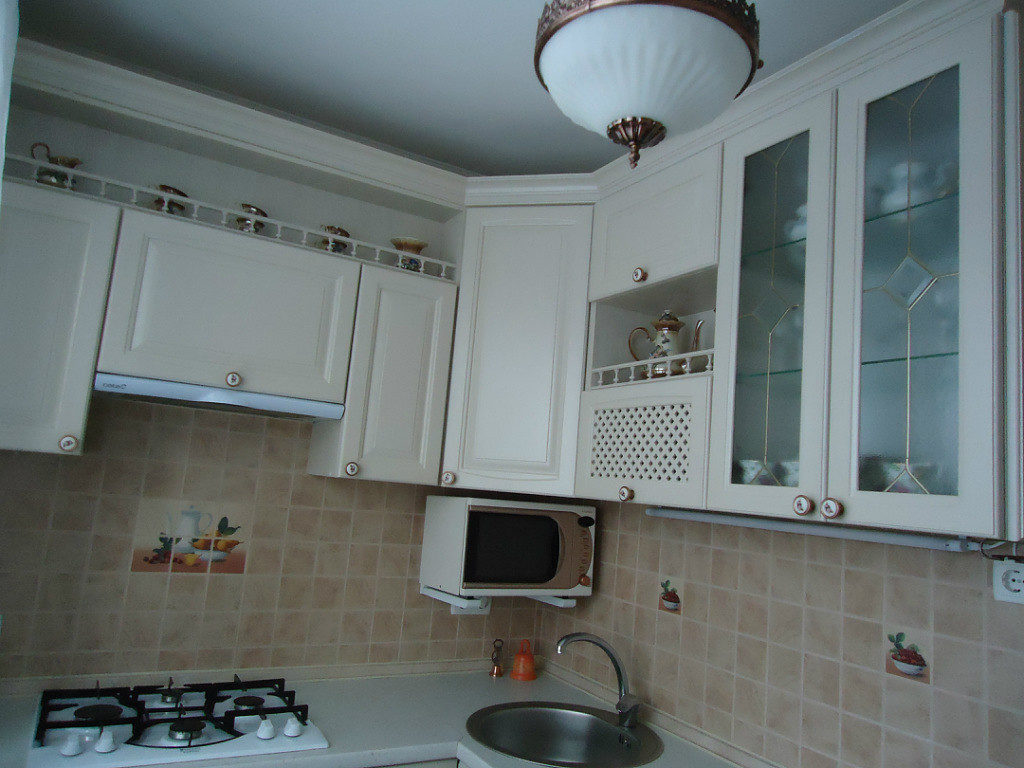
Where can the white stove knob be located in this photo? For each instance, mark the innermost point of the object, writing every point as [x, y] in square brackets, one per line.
[266, 730]
[72, 745]
[293, 727]
[105, 743]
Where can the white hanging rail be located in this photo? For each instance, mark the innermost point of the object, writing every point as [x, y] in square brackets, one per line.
[831, 530]
[24, 169]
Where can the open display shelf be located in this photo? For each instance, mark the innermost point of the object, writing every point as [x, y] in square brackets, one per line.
[690, 297]
[72, 181]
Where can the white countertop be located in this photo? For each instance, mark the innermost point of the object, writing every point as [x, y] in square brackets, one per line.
[379, 721]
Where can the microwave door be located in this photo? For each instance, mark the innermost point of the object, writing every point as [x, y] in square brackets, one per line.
[509, 549]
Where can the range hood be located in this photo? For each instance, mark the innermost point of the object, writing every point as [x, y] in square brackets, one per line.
[215, 397]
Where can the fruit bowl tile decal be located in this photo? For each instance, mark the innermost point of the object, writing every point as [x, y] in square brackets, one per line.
[204, 537]
[669, 600]
[905, 659]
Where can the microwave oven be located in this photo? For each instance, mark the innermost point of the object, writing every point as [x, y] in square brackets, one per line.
[497, 548]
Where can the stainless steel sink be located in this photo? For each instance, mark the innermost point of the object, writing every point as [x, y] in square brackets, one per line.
[563, 735]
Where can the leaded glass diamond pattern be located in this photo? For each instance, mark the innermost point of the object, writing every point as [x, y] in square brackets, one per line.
[908, 283]
[908, 438]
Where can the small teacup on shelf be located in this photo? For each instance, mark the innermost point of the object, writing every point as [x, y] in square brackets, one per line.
[249, 223]
[50, 176]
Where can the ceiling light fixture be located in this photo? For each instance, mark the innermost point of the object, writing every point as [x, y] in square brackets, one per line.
[633, 69]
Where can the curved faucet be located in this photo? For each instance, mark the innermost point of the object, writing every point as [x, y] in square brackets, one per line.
[628, 705]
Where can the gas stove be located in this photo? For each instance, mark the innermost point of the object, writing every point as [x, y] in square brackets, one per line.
[148, 724]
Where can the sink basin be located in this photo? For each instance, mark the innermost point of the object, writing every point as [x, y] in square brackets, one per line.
[563, 735]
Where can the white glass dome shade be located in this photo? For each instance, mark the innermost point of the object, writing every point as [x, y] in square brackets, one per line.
[678, 63]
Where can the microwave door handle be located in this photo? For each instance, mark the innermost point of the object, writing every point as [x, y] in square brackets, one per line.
[563, 547]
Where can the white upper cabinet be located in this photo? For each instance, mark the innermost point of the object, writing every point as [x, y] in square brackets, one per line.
[916, 382]
[55, 257]
[645, 442]
[768, 417]
[193, 303]
[520, 339]
[662, 226]
[394, 411]
[871, 396]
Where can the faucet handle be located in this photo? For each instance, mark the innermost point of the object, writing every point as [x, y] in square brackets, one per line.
[628, 708]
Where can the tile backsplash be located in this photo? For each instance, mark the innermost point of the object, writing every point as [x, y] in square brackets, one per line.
[780, 646]
[330, 571]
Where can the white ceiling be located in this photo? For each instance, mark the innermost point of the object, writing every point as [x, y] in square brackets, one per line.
[449, 81]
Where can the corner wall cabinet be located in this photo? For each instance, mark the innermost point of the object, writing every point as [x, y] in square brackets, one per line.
[192, 303]
[520, 337]
[909, 430]
[398, 378]
[55, 258]
[657, 228]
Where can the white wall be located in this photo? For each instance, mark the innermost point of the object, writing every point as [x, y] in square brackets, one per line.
[8, 42]
[140, 162]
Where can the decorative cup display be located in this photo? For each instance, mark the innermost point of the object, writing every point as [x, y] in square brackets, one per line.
[166, 204]
[335, 244]
[409, 245]
[250, 223]
[50, 176]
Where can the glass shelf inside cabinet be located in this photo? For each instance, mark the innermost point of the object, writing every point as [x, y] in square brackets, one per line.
[770, 314]
[654, 332]
[910, 292]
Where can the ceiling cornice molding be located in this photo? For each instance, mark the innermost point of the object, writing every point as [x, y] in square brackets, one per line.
[547, 189]
[105, 86]
[890, 35]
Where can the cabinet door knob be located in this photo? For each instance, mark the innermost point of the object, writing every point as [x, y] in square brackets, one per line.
[625, 493]
[351, 469]
[68, 443]
[803, 505]
[448, 478]
[639, 275]
[831, 509]
[233, 379]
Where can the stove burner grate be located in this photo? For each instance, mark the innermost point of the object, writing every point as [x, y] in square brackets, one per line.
[249, 702]
[95, 712]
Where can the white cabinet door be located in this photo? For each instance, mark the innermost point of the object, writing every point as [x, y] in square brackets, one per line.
[55, 256]
[647, 440]
[520, 337]
[664, 225]
[769, 413]
[192, 303]
[398, 379]
[915, 422]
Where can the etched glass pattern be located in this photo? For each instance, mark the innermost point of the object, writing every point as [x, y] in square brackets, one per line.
[769, 337]
[909, 366]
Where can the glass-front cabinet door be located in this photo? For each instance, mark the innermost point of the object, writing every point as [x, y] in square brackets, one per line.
[914, 386]
[768, 417]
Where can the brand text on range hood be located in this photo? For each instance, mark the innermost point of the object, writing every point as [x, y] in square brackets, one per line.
[216, 396]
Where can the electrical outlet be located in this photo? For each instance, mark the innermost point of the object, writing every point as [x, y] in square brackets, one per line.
[1008, 581]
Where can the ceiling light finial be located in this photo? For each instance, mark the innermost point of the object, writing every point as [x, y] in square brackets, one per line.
[675, 63]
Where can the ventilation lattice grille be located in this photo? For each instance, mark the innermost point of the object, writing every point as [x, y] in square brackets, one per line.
[642, 442]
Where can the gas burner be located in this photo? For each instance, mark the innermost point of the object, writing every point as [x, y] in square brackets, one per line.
[249, 702]
[186, 729]
[170, 694]
[96, 712]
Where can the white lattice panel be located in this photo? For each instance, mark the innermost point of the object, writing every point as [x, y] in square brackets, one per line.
[654, 444]
[642, 442]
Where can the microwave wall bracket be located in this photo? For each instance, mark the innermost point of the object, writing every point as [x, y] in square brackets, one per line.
[461, 606]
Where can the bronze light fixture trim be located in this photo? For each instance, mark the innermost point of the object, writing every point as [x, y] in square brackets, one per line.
[639, 132]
